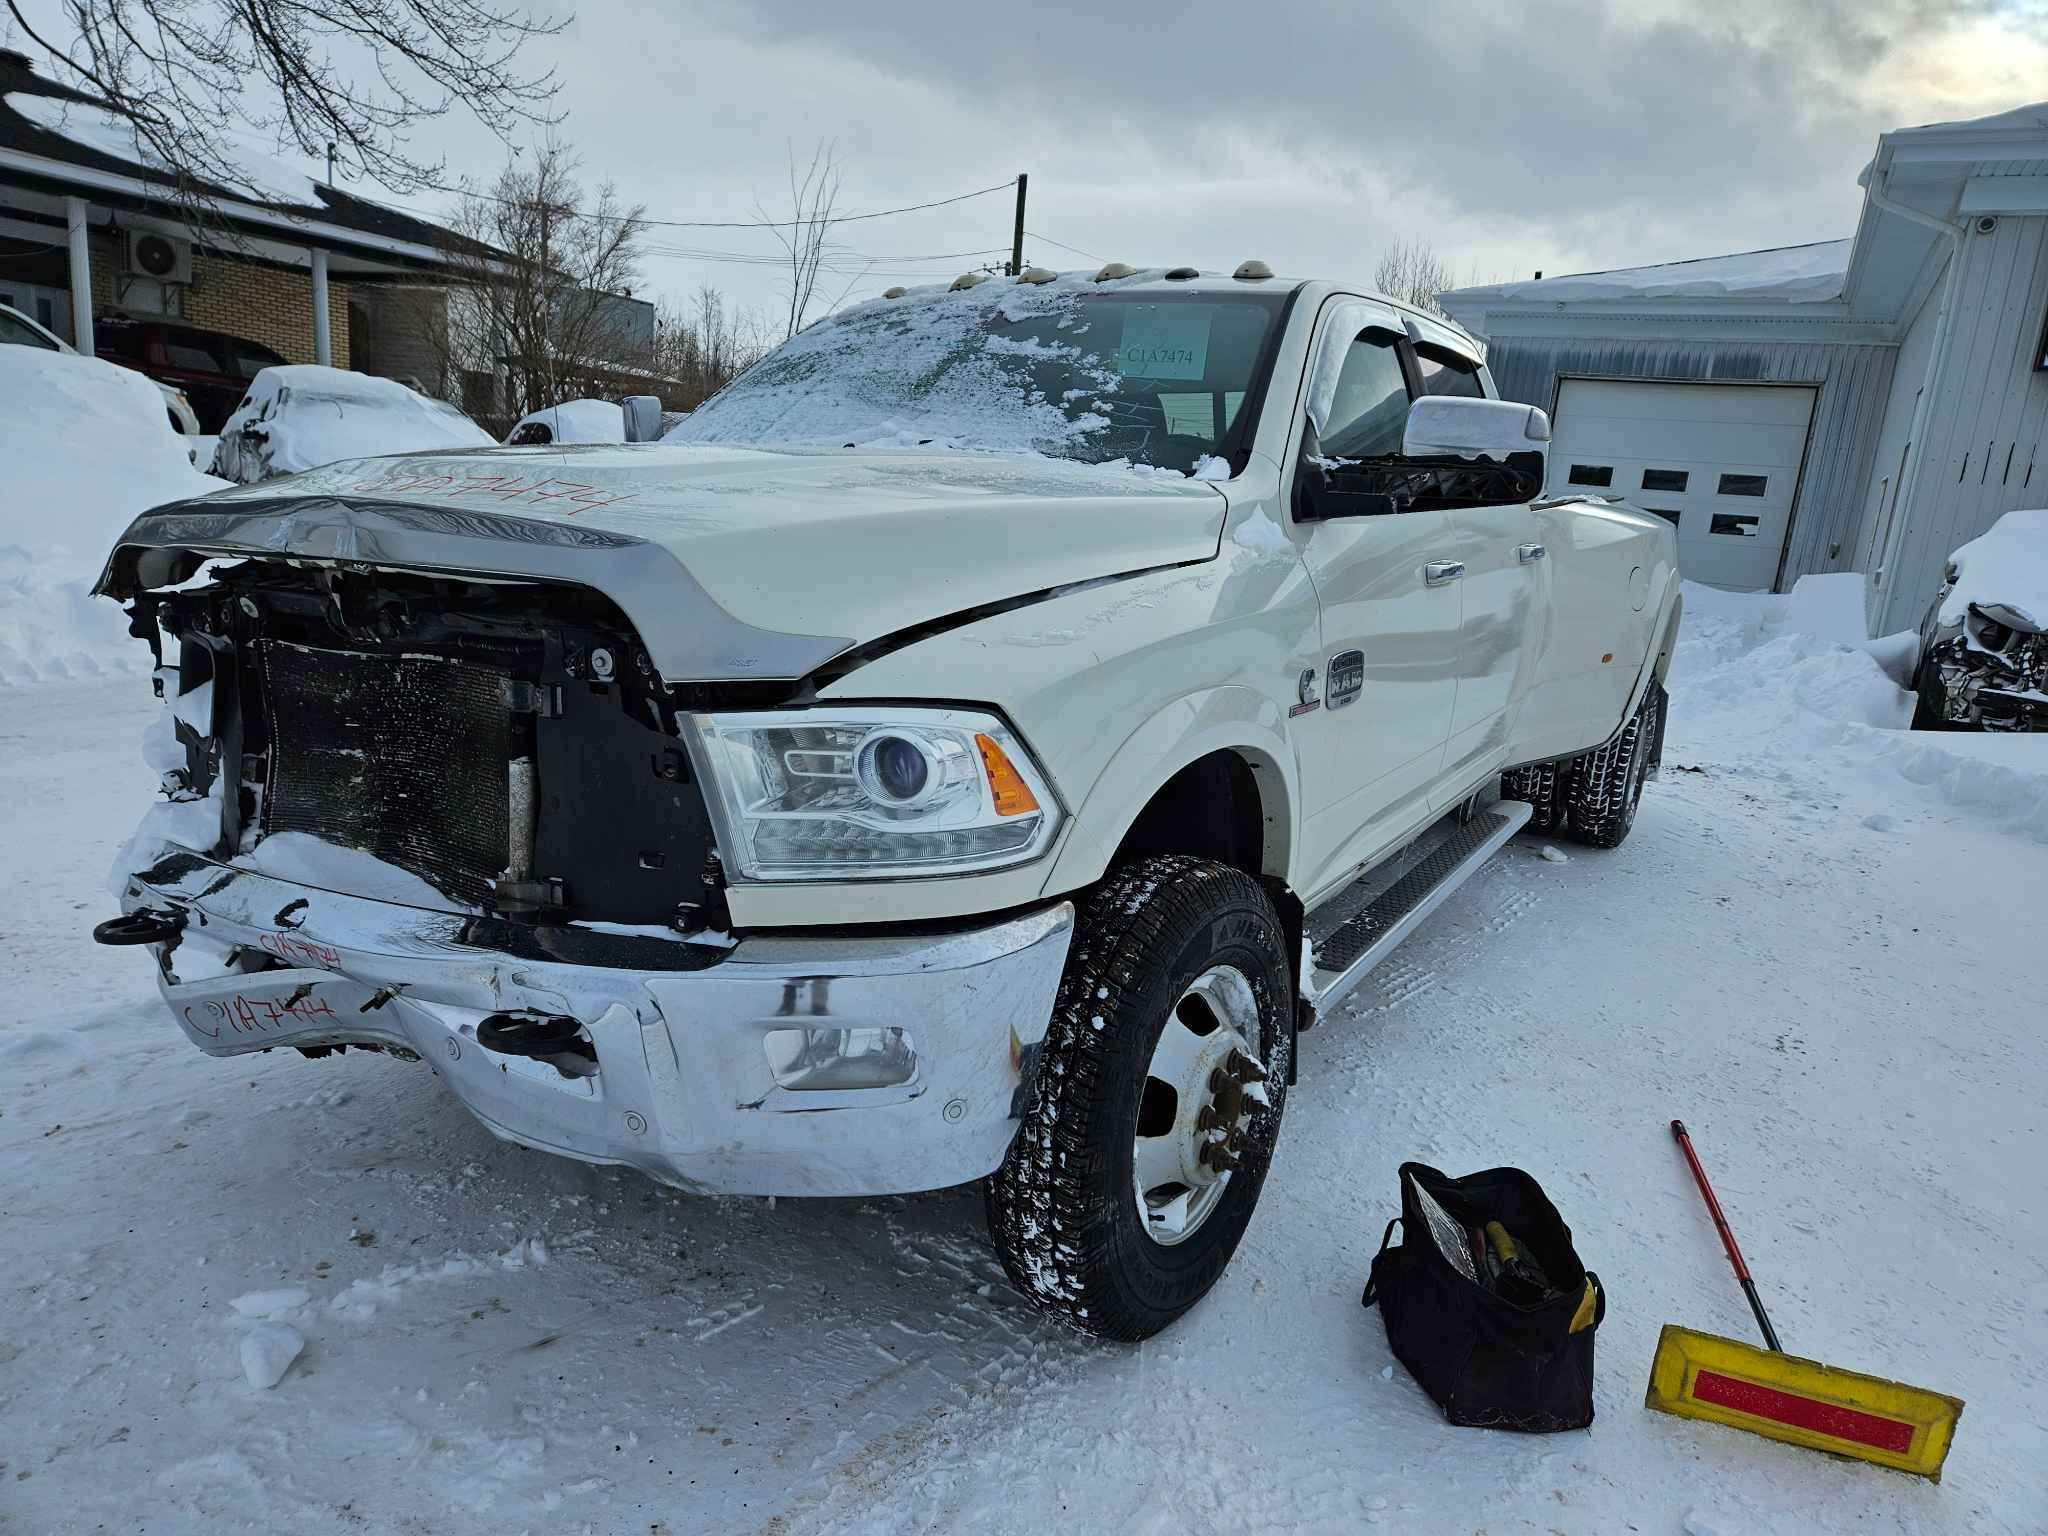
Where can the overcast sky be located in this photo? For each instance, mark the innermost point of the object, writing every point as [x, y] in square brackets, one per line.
[1565, 136]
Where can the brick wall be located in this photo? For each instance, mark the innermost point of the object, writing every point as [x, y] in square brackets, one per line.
[273, 305]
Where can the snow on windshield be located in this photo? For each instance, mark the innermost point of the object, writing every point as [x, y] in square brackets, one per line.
[1072, 368]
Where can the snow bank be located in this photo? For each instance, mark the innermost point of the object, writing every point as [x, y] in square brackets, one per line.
[1749, 689]
[1792, 274]
[86, 447]
[299, 416]
[2007, 563]
[573, 421]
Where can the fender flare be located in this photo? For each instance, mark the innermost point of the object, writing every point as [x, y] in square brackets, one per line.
[1657, 664]
[1229, 718]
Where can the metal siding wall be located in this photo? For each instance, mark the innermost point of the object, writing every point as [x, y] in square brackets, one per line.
[1987, 427]
[1847, 413]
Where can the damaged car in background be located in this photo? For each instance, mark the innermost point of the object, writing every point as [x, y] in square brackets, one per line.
[973, 746]
[1984, 643]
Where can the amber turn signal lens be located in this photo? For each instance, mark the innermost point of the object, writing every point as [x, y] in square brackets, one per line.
[1013, 796]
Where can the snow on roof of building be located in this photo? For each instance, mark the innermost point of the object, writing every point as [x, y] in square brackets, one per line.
[70, 129]
[1787, 274]
[2033, 116]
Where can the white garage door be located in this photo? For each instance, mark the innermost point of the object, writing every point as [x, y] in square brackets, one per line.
[1720, 460]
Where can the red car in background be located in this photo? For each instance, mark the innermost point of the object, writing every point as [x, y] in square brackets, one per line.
[212, 367]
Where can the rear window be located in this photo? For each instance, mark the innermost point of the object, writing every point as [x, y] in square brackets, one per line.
[16, 333]
[250, 361]
[189, 356]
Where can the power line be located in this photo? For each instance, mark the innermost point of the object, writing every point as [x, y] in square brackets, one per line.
[837, 218]
[1048, 239]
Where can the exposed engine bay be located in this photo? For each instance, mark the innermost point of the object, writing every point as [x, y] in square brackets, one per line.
[507, 742]
[1987, 672]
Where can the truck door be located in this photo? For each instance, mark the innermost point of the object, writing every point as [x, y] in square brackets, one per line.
[1506, 583]
[1370, 747]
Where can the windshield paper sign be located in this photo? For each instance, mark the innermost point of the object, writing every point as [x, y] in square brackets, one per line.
[1165, 341]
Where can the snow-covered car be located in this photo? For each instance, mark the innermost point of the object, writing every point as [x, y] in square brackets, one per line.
[1984, 643]
[971, 748]
[83, 448]
[19, 330]
[299, 416]
[573, 421]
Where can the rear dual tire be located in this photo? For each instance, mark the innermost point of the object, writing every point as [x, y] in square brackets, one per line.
[1592, 798]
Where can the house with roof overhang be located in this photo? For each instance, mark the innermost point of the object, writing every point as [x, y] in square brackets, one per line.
[1864, 404]
[90, 227]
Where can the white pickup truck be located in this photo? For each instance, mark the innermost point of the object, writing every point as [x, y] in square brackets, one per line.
[971, 747]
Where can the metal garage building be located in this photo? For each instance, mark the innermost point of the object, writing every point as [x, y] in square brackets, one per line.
[1863, 404]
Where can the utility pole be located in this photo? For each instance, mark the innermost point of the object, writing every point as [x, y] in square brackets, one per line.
[1017, 237]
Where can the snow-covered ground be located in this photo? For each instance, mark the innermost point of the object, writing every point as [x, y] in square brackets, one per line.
[1821, 947]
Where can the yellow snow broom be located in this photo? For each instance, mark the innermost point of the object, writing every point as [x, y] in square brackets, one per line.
[1781, 1396]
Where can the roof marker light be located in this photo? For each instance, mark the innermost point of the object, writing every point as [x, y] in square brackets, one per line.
[1114, 270]
[894, 293]
[1252, 272]
[1037, 275]
[1181, 274]
[968, 280]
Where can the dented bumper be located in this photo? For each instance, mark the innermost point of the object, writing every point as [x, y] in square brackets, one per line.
[857, 1063]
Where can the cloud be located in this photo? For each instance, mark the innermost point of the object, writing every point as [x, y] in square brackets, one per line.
[1313, 133]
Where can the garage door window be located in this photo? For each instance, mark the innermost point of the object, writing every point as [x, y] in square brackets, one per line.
[1665, 479]
[1592, 474]
[1738, 527]
[1744, 485]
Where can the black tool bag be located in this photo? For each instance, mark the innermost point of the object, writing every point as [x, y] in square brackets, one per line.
[1500, 1344]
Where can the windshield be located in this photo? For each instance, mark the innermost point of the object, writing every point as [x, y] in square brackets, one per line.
[1072, 368]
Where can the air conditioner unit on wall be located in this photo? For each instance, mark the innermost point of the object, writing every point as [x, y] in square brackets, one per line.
[163, 258]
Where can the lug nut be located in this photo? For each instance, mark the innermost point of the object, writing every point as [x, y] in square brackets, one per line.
[1244, 1068]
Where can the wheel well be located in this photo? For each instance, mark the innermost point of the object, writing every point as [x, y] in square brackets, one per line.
[1210, 809]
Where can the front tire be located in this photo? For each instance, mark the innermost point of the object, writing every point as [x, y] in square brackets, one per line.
[1149, 1130]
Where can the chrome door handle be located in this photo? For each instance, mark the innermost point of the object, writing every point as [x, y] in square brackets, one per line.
[1528, 554]
[1442, 572]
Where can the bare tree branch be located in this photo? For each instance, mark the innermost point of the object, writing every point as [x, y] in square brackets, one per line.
[307, 73]
[806, 237]
[542, 320]
[1414, 273]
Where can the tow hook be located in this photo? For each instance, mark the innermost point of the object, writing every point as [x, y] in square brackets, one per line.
[145, 925]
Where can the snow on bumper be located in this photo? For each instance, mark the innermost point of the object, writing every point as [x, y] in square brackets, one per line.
[851, 1064]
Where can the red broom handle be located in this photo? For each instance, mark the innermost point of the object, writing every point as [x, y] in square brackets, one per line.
[1699, 1177]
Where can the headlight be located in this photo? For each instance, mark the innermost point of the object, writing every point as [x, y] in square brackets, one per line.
[848, 794]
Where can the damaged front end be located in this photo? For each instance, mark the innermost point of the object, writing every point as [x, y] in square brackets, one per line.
[413, 718]
[1986, 669]
[452, 814]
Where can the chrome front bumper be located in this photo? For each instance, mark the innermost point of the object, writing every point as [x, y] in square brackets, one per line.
[846, 1064]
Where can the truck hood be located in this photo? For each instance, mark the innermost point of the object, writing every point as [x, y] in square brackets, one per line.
[732, 563]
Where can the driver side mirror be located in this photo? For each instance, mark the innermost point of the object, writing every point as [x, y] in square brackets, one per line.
[1455, 426]
[1455, 452]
